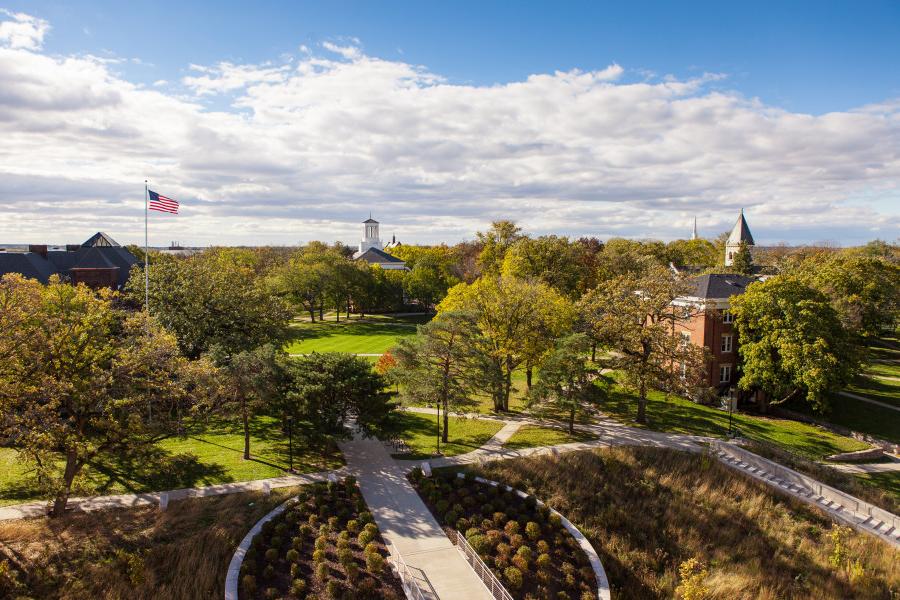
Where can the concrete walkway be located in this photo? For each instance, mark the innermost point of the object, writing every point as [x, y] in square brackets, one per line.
[407, 524]
[885, 467]
[870, 401]
[39, 509]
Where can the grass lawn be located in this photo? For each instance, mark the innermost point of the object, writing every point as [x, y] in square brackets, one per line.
[880, 422]
[888, 482]
[883, 369]
[530, 436]
[347, 336]
[677, 415]
[419, 431]
[208, 455]
[882, 390]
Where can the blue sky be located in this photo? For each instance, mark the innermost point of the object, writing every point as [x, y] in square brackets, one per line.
[804, 56]
[278, 123]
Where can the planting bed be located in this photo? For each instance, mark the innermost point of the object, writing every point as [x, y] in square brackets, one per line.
[324, 546]
[525, 546]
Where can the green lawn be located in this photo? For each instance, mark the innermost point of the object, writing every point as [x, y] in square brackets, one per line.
[889, 482]
[864, 417]
[354, 337]
[677, 415]
[419, 431]
[208, 455]
[883, 369]
[531, 436]
[882, 390]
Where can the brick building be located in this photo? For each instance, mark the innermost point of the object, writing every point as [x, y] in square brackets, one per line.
[98, 262]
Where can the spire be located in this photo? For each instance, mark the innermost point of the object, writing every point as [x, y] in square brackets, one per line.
[694, 233]
[740, 232]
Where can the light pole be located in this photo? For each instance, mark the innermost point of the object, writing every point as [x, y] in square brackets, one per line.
[438, 428]
[731, 403]
[290, 423]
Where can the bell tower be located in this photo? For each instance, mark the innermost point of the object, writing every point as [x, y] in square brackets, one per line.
[371, 239]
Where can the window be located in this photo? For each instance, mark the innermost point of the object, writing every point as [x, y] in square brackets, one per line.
[726, 342]
[727, 316]
[685, 338]
[725, 374]
[683, 370]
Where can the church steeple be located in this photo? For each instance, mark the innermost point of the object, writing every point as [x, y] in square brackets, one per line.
[694, 233]
[371, 239]
[740, 233]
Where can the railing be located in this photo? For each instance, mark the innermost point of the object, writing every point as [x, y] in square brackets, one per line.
[410, 585]
[486, 576]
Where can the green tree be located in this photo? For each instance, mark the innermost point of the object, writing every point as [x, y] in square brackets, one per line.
[695, 253]
[792, 343]
[81, 380]
[635, 316]
[494, 244]
[435, 365]
[551, 259]
[303, 281]
[212, 299]
[567, 380]
[515, 319]
[326, 389]
[621, 256]
[742, 261]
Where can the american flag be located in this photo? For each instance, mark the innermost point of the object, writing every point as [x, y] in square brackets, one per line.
[162, 203]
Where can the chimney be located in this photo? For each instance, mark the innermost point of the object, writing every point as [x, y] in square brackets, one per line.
[38, 249]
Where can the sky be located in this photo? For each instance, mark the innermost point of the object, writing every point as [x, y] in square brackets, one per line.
[284, 122]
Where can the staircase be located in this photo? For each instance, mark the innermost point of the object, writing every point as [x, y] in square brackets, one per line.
[840, 506]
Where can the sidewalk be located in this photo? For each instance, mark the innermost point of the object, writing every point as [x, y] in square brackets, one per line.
[407, 524]
[39, 508]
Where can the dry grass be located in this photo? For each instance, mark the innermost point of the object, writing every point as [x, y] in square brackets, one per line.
[648, 510]
[134, 553]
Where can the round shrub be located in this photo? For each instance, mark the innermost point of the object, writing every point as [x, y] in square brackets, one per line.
[322, 572]
[343, 544]
[543, 547]
[345, 557]
[499, 518]
[371, 527]
[513, 577]
[269, 572]
[295, 569]
[298, 586]
[305, 530]
[271, 593]
[479, 544]
[555, 520]
[353, 526]
[333, 523]
[296, 542]
[532, 530]
[520, 562]
[374, 563]
[248, 582]
[280, 528]
[494, 537]
[275, 542]
[543, 561]
[525, 552]
[516, 540]
[292, 556]
[271, 555]
[318, 556]
[365, 536]
[511, 528]
[451, 516]
[371, 548]
[504, 549]
[321, 542]
[352, 570]
[333, 590]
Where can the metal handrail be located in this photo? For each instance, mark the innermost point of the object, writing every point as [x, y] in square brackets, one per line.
[486, 576]
[410, 585]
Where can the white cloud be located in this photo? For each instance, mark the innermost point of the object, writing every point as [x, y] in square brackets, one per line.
[23, 31]
[308, 148]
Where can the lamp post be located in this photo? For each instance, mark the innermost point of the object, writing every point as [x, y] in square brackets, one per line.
[731, 403]
[290, 423]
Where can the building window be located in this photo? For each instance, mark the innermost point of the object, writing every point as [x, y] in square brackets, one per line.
[725, 374]
[726, 343]
[727, 316]
[685, 338]
[683, 370]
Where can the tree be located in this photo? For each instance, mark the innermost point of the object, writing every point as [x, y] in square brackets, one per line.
[212, 299]
[696, 253]
[792, 342]
[515, 319]
[551, 259]
[634, 316]
[742, 261]
[251, 383]
[621, 256]
[327, 389]
[435, 364]
[304, 279]
[82, 380]
[567, 380]
[494, 244]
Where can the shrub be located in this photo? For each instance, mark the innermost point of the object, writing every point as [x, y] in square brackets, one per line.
[352, 570]
[479, 544]
[275, 542]
[248, 582]
[305, 530]
[313, 520]
[345, 557]
[516, 540]
[543, 547]
[520, 562]
[271, 555]
[321, 542]
[451, 516]
[295, 569]
[442, 506]
[318, 556]
[298, 586]
[343, 544]
[692, 575]
[365, 536]
[292, 556]
[543, 561]
[555, 520]
[333, 523]
[494, 537]
[524, 552]
[322, 572]
[374, 563]
[511, 528]
[365, 517]
[371, 527]
[532, 530]
[499, 518]
[296, 542]
[504, 549]
[371, 548]
[271, 593]
[269, 572]
[279, 528]
[353, 526]
[333, 590]
[513, 577]
[472, 531]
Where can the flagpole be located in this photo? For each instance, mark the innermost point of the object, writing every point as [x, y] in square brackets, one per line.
[146, 252]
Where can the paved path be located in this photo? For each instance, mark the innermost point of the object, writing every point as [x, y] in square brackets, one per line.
[887, 377]
[39, 509]
[870, 401]
[407, 524]
[884, 467]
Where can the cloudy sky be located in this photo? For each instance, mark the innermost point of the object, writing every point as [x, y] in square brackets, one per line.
[291, 122]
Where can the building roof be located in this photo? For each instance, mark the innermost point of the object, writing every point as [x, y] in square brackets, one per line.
[740, 232]
[370, 220]
[29, 264]
[376, 257]
[718, 285]
[100, 239]
[94, 258]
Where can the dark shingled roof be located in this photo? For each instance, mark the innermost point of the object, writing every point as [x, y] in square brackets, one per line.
[374, 255]
[370, 220]
[720, 285]
[100, 239]
[29, 264]
[94, 258]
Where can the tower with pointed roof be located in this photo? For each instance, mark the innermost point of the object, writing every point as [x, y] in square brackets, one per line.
[739, 233]
[371, 239]
[694, 232]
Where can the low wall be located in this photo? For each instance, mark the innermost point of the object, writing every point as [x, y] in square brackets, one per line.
[603, 591]
[852, 503]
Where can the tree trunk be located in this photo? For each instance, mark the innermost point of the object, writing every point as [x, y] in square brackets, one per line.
[62, 498]
[312, 314]
[245, 417]
[321, 312]
[445, 385]
[507, 384]
[445, 436]
[528, 377]
[572, 417]
[337, 312]
[642, 404]
[593, 352]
